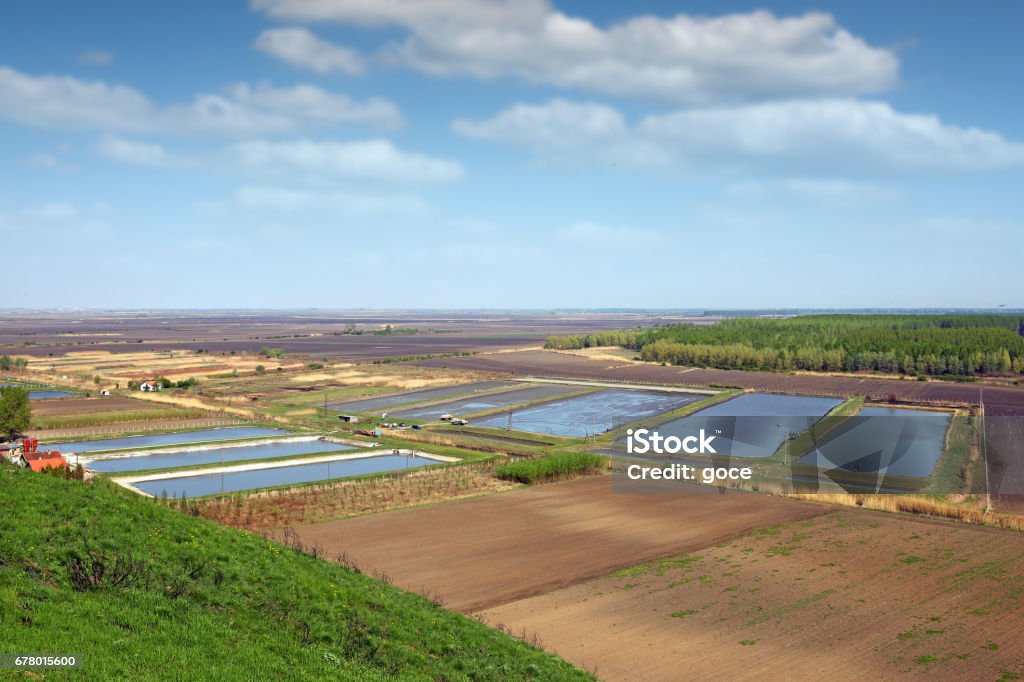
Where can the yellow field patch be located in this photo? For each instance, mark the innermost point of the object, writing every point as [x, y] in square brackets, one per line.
[321, 376]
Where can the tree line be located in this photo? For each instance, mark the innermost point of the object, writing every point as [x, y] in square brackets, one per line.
[8, 363]
[936, 345]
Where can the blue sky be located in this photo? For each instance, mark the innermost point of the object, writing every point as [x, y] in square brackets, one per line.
[478, 153]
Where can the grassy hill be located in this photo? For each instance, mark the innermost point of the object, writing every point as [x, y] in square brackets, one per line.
[144, 592]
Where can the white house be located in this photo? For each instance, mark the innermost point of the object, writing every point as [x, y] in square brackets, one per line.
[148, 386]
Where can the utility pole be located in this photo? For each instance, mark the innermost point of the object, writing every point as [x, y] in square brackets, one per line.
[984, 450]
[509, 427]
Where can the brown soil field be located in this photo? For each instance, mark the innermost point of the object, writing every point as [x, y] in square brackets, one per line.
[848, 596]
[487, 551]
[312, 333]
[68, 406]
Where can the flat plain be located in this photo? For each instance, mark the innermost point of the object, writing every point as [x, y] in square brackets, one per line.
[482, 552]
[848, 595]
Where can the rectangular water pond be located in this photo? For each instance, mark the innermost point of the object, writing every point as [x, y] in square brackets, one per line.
[182, 437]
[440, 393]
[895, 441]
[231, 453]
[753, 424]
[489, 401]
[592, 413]
[211, 484]
[42, 393]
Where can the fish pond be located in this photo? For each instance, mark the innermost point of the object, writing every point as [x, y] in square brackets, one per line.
[488, 401]
[233, 481]
[592, 413]
[894, 441]
[164, 459]
[41, 393]
[753, 424]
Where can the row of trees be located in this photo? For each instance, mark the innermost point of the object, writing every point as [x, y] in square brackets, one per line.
[8, 363]
[912, 344]
[743, 356]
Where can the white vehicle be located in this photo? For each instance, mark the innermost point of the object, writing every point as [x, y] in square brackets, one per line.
[458, 422]
[447, 417]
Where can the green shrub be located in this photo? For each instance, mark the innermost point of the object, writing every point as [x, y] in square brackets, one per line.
[552, 467]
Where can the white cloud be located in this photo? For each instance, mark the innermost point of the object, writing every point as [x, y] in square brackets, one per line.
[853, 134]
[135, 153]
[95, 58]
[314, 163]
[826, 191]
[54, 219]
[312, 105]
[561, 128]
[682, 58]
[326, 205]
[375, 160]
[559, 124]
[596, 236]
[300, 48]
[796, 137]
[65, 102]
[45, 160]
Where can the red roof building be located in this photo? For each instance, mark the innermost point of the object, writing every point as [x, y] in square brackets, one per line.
[38, 461]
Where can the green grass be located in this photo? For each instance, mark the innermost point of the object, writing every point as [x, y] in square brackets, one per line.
[956, 471]
[293, 429]
[660, 566]
[799, 605]
[215, 603]
[115, 417]
[552, 467]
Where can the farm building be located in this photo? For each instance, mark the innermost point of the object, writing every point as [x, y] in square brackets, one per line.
[10, 452]
[348, 418]
[149, 386]
[39, 461]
